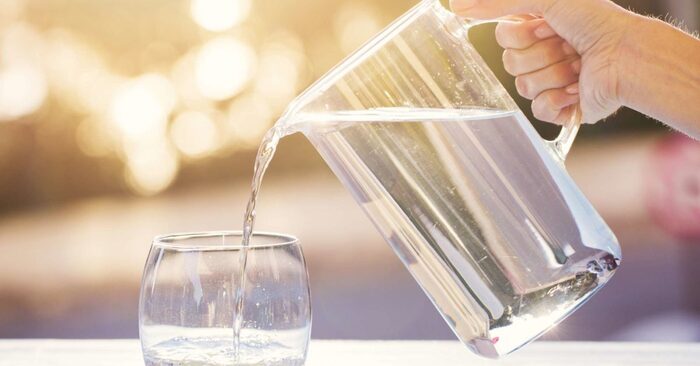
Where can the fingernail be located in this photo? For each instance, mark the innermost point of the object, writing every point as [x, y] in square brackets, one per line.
[544, 31]
[576, 66]
[572, 89]
[568, 50]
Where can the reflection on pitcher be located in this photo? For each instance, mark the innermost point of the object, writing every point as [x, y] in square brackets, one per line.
[475, 203]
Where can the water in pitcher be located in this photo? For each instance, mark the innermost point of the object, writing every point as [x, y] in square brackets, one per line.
[452, 191]
[441, 181]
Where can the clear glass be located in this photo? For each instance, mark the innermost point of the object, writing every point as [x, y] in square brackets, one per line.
[188, 301]
[476, 204]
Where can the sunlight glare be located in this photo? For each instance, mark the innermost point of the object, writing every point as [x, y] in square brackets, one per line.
[142, 105]
[223, 67]
[23, 89]
[219, 15]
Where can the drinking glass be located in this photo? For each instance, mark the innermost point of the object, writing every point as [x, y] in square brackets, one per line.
[189, 293]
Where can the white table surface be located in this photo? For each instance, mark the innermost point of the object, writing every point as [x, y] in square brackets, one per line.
[368, 353]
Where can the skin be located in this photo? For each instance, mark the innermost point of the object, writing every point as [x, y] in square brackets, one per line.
[595, 56]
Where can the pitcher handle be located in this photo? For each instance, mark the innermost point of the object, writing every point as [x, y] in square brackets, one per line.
[560, 146]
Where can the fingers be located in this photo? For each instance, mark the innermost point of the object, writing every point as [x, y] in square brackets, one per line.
[491, 9]
[546, 67]
[554, 76]
[522, 35]
[537, 57]
[556, 105]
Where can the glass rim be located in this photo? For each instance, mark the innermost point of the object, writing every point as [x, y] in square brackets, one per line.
[178, 240]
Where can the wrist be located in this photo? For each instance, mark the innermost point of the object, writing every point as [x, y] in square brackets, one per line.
[632, 61]
[658, 73]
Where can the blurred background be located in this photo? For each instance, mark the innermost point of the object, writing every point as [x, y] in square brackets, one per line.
[121, 120]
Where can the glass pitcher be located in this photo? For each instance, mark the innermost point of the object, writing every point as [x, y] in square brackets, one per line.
[475, 203]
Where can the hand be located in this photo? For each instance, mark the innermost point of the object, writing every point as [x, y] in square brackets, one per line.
[565, 54]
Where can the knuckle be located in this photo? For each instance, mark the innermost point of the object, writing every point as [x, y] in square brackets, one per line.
[565, 72]
[510, 62]
[562, 74]
[550, 55]
[568, 72]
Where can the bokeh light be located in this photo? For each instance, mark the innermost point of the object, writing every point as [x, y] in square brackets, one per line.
[183, 76]
[140, 107]
[219, 15]
[248, 118]
[77, 73]
[92, 139]
[194, 134]
[155, 93]
[280, 69]
[223, 67]
[355, 24]
[21, 43]
[150, 167]
[22, 91]
[23, 85]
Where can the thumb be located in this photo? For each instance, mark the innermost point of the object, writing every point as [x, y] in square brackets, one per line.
[492, 9]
